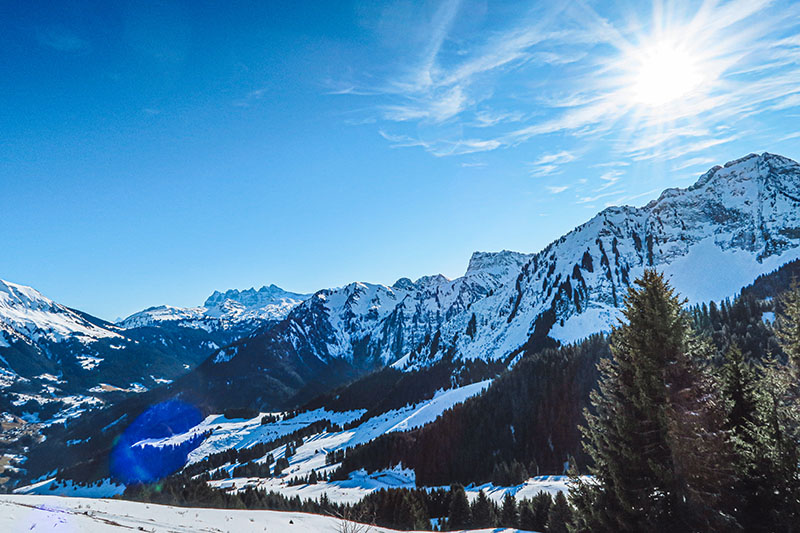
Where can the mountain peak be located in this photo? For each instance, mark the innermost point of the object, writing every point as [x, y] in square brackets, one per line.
[252, 297]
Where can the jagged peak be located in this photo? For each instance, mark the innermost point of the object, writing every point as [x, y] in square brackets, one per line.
[251, 296]
[495, 262]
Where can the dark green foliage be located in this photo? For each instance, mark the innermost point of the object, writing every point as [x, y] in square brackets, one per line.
[509, 514]
[483, 512]
[460, 515]
[529, 415]
[788, 323]
[559, 516]
[660, 455]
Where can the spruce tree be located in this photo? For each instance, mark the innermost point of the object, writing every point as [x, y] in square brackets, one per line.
[540, 505]
[560, 515]
[482, 511]
[527, 518]
[508, 514]
[788, 323]
[656, 434]
[459, 516]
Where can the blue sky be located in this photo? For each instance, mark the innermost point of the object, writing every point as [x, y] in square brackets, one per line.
[150, 154]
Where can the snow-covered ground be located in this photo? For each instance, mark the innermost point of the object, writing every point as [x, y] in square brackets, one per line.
[59, 514]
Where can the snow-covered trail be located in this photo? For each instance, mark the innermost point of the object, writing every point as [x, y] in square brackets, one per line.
[59, 514]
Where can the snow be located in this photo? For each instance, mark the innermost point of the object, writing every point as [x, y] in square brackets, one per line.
[244, 434]
[222, 310]
[105, 489]
[59, 514]
[580, 326]
[87, 362]
[550, 484]
[707, 272]
[28, 314]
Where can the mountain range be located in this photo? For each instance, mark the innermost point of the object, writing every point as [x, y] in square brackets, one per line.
[270, 348]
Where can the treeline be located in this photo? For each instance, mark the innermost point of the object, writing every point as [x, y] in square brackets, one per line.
[525, 424]
[242, 456]
[389, 389]
[691, 435]
[403, 509]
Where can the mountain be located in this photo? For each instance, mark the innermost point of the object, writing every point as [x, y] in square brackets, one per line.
[734, 224]
[223, 310]
[737, 221]
[57, 361]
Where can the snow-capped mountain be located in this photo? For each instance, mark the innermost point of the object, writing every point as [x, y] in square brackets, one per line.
[735, 223]
[26, 314]
[223, 310]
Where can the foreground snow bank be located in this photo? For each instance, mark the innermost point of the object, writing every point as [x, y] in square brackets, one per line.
[55, 513]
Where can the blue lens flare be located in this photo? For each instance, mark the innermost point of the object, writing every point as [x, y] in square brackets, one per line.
[133, 460]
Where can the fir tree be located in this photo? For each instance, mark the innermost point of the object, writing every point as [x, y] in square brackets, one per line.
[788, 323]
[527, 519]
[656, 437]
[459, 516]
[771, 453]
[508, 514]
[560, 515]
[482, 511]
[540, 506]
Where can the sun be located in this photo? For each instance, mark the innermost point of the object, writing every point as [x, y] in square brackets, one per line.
[663, 73]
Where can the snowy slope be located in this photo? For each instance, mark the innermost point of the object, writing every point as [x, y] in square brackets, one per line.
[59, 514]
[738, 221]
[26, 314]
[239, 434]
[735, 223]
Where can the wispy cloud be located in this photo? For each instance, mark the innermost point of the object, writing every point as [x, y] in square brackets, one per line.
[610, 179]
[441, 148]
[550, 163]
[516, 83]
[556, 189]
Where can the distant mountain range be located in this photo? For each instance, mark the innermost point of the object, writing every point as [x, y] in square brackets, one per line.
[270, 348]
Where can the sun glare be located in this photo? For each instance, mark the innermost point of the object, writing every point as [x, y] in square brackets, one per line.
[663, 73]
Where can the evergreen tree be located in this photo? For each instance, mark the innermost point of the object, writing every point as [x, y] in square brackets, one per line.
[540, 506]
[560, 515]
[770, 451]
[482, 511]
[527, 519]
[459, 516]
[508, 514]
[656, 435]
[788, 323]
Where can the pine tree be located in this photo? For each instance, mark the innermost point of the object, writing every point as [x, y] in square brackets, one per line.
[540, 505]
[509, 516]
[656, 435]
[560, 515]
[527, 518]
[482, 511]
[459, 516]
[788, 323]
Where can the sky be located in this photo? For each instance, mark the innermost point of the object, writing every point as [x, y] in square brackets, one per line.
[151, 153]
